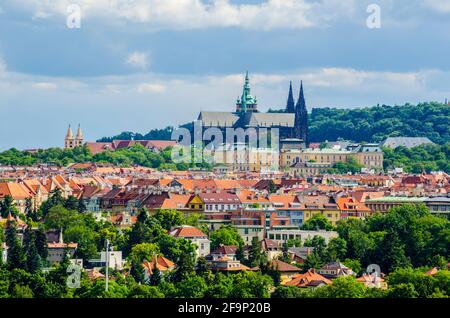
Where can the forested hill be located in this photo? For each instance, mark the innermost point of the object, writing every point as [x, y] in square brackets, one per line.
[155, 134]
[374, 124]
[371, 124]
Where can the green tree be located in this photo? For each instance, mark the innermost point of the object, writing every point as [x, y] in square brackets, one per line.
[287, 292]
[226, 235]
[7, 206]
[248, 284]
[402, 291]
[191, 287]
[337, 248]
[317, 222]
[169, 218]
[33, 259]
[144, 291]
[155, 278]
[343, 287]
[71, 203]
[16, 255]
[354, 264]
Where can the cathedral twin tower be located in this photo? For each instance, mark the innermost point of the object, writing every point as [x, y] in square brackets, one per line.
[70, 141]
[300, 129]
[292, 123]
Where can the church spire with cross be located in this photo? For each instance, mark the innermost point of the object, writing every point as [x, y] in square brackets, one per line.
[246, 103]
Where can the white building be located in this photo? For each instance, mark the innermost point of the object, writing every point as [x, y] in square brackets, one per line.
[194, 235]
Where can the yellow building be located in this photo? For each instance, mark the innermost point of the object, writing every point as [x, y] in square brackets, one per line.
[241, 158]
[196, 204]
[320, 205]
[316, 161]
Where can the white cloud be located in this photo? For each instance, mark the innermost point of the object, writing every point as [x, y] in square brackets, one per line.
[44, 85]
[439, 5]
[155, 100]
[192, 14]
[2, 66]
[151, 88]
[138, 60]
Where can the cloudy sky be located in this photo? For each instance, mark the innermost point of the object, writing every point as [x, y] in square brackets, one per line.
[140, 64]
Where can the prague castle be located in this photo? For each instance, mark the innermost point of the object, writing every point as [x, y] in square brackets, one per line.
[292, 124]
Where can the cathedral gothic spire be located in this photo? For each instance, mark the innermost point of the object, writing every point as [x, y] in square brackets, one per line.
[69, 134]
[301, 117]
[290, 107]
[79, 133]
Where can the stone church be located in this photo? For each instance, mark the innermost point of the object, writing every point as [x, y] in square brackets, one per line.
[292, 123]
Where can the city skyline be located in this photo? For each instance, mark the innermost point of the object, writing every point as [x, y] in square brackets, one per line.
[116, 68]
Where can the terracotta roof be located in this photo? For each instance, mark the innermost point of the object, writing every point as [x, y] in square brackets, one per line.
[351, 204]
[432, 271]
[283, 199]
[227, 184]
[248, 196]
[308, 279]
[176, 201]
[225, 250]
[186, 231]
[219, 198]
[94, 274]
[283, 267]
[16, 190]
[160, 262]
[366, 278]
[268, 244]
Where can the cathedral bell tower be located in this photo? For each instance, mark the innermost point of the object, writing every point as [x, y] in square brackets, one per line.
[70, 141]
[246, 103]
[301, 118]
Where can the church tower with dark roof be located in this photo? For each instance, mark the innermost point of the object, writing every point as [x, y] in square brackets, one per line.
[301, 118]
[290, 107]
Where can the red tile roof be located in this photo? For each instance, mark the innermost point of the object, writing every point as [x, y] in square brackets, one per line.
[308, 279]
[186, 231]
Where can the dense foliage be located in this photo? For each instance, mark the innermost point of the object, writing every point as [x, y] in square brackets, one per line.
[406, 236]
[405, 242]
[420, 159]
[374, 124]
[370, 124]
[154, 134]
[403, 283]
[126, 157]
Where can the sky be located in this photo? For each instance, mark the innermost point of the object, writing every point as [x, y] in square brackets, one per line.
[136, 65]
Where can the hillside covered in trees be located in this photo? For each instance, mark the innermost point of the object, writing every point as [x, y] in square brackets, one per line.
[126, 157]
[371, 124]
[374, 124]
[420, 159]
[154, 134]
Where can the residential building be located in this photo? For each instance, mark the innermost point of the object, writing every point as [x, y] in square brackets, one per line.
[194, 235]
[334, 270]
[282, 236]
[287, 271]
[163, 264]
[310, 279]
